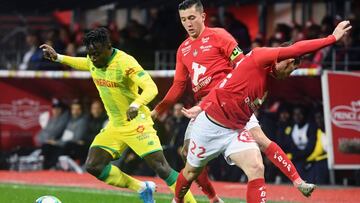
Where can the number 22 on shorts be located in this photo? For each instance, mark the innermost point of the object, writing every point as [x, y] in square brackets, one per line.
[197, 150]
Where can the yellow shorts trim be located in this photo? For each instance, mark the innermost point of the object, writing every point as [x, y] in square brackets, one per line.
[115, 154]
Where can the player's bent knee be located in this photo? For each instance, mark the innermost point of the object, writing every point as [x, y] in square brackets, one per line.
[191, 175]
[94, 169]
[256, 170]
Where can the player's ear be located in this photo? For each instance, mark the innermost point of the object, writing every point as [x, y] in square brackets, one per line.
[203, 16]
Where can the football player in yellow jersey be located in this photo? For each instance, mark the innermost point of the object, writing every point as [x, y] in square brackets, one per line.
[117, 77]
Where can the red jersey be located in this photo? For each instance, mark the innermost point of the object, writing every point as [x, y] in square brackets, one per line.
[243, 90]
[206, 60]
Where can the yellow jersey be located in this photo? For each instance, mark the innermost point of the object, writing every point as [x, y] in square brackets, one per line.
[118, 85]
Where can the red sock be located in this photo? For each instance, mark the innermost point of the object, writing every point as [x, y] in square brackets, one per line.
[278, 157]
[205, 184]
[256, 191]
[181, 188]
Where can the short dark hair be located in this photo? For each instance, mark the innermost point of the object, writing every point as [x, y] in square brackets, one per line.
[189, 3]
[99, 35]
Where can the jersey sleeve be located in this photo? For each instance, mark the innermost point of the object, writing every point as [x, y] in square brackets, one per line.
[80, 63]
[177, 88]
[304, 47]
[141, 78]
[265, 56]
[228, 45]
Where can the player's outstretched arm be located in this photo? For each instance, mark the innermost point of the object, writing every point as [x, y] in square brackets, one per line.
[306, 46]
[80, 63]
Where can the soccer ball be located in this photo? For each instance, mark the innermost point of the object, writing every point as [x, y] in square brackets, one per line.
[47, 199]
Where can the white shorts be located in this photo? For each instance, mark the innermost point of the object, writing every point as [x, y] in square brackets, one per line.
[253, 122]
[208, 140]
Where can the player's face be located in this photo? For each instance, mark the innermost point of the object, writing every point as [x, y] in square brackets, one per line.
[193, 21]
[99, 54]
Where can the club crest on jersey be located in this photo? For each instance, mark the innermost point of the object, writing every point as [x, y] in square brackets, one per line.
[195, 53]
[140, 129]
[205, 39]
[245, 136]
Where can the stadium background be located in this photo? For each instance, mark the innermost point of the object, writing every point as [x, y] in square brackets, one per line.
[151, 32]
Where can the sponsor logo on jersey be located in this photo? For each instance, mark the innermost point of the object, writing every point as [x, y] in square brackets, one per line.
[205, 48]
[129, 71]
[143, 136]
[105, 83]
[347, 116]
[205, 39]
[204, 82]
[186, 50]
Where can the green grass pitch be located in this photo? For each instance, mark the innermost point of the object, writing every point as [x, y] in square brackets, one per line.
[20, 193]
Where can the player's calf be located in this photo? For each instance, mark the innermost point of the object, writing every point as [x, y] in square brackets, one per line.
[205, 185]
[158, 163]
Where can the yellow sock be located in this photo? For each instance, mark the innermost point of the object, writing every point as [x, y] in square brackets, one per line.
[112, 175]
[189, 198]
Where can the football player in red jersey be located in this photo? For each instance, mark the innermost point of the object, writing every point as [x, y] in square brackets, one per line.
[221, 118]
[207, 56]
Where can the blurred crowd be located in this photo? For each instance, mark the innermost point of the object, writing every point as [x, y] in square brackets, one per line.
[345, 50]
[66, 134]
[164, 32]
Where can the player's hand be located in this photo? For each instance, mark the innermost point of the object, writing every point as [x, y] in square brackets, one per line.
[154, 114]
[49, 52]
[341, 29]
[284, 68]
[131, 113]
[192, 112]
